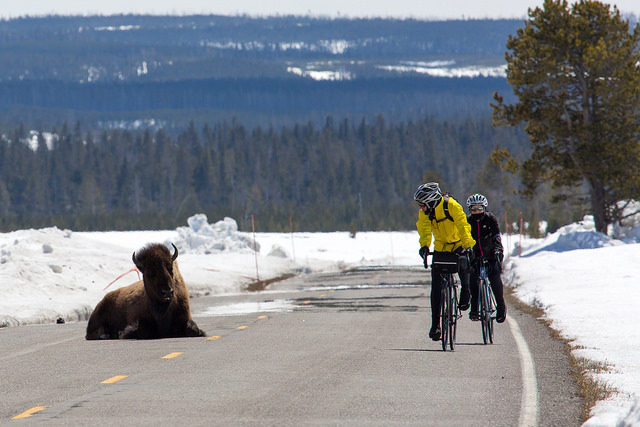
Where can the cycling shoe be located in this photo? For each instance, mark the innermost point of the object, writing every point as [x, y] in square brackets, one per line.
[502, 313]
[435, 333]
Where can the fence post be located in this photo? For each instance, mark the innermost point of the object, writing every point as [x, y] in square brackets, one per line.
[255, 247]
[520, 246]
[293, 248]
[506, 228]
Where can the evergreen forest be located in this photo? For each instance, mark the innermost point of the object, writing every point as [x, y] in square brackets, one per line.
[337, 176]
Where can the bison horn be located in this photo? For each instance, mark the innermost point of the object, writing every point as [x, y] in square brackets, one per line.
[175, 252]
[133, 258]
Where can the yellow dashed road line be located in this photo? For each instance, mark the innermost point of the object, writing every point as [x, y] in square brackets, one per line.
[239, 328]
[28, 413]
[115, 379]
[173, 355]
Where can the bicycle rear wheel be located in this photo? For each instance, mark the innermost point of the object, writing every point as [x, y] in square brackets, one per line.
[491, 299]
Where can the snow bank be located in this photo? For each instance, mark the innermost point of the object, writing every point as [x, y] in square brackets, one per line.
[51, 273]
[200, 237]
[580, 235]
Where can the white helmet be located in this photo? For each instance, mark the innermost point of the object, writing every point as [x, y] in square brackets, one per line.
[428, 194]
[477, 199]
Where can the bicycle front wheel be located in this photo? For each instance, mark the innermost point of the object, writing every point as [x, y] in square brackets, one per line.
[444, 314]
[453, 314]
[486, 312]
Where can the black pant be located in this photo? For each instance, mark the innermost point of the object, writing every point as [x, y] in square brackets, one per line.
[436, 292]
[493, 274]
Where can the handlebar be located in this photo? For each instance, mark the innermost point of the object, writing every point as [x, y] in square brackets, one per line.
[460, 254]
[462, 260]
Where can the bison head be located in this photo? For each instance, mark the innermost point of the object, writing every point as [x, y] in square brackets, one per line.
[155, 262]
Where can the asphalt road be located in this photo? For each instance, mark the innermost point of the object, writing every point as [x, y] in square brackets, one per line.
[342, 349]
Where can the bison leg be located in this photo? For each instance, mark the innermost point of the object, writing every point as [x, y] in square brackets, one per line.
[98, 327]
[142, 329]
[131, 331]
[93, 333]
[192, 330]
[96, 334]
[102, 325]
[100, 334]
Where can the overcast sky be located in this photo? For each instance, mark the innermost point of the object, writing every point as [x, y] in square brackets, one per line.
[421, 9]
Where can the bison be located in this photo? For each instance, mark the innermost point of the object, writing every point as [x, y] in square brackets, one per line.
[155, 307]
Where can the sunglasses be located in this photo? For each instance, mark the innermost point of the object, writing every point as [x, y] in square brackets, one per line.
[476, 209]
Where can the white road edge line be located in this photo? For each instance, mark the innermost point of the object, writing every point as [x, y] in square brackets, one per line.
[529, 408]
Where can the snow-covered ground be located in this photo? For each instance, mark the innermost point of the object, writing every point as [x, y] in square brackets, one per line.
[586, 282]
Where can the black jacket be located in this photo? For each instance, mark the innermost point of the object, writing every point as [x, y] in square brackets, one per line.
[486, 232]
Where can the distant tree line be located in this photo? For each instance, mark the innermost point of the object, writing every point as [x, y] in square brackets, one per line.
[338, 176]
[280, 100]
[268, 94]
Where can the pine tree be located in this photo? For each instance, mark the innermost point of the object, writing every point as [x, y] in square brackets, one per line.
[575, 73]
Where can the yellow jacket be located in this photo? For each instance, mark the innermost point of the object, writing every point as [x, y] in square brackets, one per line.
[447, 235]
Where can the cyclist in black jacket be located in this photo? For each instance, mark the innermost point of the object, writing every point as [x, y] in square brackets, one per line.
[486, 232]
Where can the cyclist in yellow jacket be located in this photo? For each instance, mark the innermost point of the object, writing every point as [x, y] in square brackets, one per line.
[442, 220]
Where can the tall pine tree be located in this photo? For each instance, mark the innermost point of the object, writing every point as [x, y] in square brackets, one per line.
[575, 73]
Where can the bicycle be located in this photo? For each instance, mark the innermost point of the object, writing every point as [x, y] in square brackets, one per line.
[486, 302]
[447, 264]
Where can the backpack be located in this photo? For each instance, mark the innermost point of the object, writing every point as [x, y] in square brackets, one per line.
[445, 207]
